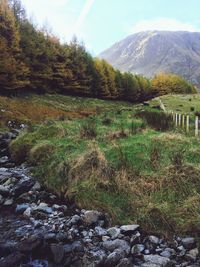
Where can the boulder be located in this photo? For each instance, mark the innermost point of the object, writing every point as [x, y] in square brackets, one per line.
[91, 217]
[129, 228]
[120, 244]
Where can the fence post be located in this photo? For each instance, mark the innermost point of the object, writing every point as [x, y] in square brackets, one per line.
[176, 119]
[179, 122]
[183, 121]
[196, 125]
[187, 124]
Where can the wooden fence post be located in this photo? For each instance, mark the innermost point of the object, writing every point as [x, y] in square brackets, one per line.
[179, 120]
[187, 124]
[183, 121]
[196, 126]
[176, 119]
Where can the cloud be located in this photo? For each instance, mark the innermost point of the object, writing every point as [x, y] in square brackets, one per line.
[162, 24]
[84, 12]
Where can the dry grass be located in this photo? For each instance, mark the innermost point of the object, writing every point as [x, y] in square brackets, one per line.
[117, 134]
[23, 110]
[41, 152]
[91, 164]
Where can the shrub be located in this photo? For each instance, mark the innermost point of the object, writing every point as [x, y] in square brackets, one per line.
[160, 121]
[40, 152]
[19, 148]
[191, 108]
[107, 121]
[88, 129]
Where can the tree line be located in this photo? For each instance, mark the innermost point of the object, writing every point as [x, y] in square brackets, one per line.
[33, 60]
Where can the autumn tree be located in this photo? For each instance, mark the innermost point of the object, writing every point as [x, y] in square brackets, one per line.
[13, 71]
[170, 83]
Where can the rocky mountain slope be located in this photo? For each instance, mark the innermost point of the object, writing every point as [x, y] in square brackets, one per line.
[153, 52]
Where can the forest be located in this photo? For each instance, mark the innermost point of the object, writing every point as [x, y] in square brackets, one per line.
[34, 60]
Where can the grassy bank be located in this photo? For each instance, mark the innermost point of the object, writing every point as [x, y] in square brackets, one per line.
[119, 162]
[185, 104]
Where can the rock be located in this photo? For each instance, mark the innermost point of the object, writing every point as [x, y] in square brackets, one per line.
[94, 258]
[154, 239]
[43, 207]
[27, 212]
[91, 217]
[157, 260]
[129, 228]
[20, 209]
[135, 239]
[137, 249]
[12, 260]
[4, 160]
[58, 252]
[114, 232]
[100, 231]
[36, 187]
[23, 187]
[168, 253]
[30, 244]
[8, 202]
[111, 245]
[192, 254]
[105, 238]
[125, 263]
[4, 191]
[114, 258]
[188, 242]
[75, 219]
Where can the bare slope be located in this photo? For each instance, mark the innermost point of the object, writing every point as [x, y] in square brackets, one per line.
[152, 52]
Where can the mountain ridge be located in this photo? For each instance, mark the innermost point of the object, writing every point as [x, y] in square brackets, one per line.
[152, 52]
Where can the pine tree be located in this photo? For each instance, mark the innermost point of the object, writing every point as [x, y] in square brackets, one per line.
[13, 72]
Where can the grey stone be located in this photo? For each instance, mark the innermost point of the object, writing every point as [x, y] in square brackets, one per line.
[100, 231]
[91, 217]
[154, 239]
[75, 219]
[137, 249]
[192, 254]
[111, 245]
[114, 232]
[36, 187]
[21, 208]
[156, 259]
[8, 202]
[27, 212]
[94, 258]
[23, 187]
[188, 242]
[114, 258]
[125, 263]
[129, 228]
[43, 207]
[105, 238]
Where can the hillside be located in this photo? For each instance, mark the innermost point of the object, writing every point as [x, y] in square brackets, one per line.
[153, 52]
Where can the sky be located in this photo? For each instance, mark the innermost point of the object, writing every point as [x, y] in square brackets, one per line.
[101, 23]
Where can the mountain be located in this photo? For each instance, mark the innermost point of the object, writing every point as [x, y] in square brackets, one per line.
[152, 52]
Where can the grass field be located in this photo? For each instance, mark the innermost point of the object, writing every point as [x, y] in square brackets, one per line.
[116, 161]
[185, 104]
